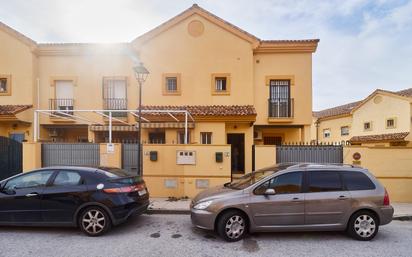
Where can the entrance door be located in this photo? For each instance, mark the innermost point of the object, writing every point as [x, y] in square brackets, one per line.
[237, 142]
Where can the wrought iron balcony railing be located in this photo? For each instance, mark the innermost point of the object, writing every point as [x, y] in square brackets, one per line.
[61, 106]
[115, 104]
[280, 107]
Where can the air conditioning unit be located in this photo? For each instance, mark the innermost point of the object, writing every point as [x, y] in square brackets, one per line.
[257, 135]
[53, 133]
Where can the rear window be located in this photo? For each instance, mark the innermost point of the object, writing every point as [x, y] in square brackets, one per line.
[115, 172]
[357, 181]
[120, 176]
[324, 181]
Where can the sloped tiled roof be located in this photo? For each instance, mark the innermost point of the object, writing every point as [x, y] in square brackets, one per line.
[13, 109]
[206, 110]
[379, 138]
[347, 108]
[405, 92]
[335, 111]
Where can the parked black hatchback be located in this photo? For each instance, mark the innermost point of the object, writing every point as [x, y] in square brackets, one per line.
[93, 199]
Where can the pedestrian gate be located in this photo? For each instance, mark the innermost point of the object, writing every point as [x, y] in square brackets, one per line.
[130, 157]
[309, 153]
[11, 157]
[70, 154]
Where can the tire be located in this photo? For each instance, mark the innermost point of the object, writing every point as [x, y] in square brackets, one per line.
[363, 226]
[94, 221]
[232, 226]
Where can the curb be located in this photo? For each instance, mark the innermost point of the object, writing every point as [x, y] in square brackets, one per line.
[403, 218]
[164, 211]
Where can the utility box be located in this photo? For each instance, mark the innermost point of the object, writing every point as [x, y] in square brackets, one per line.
[219, 157]
[153, 156]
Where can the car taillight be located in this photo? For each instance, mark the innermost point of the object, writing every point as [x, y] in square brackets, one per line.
[126, 189]
[386, 198]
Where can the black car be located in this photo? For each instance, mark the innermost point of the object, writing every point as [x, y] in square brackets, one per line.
[92, 198]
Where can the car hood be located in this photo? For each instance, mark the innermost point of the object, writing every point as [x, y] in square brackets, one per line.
[215, 192]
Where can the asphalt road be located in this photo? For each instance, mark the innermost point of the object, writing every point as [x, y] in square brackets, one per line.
[173, 235]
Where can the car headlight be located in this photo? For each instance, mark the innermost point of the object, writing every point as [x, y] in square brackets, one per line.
[202, 205]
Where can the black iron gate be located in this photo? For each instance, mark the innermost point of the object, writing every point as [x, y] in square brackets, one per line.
[130, 157]
[309, 153]
[11, 157]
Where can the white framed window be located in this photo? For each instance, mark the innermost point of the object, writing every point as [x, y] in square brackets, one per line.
[344, 131]
[206, 138]
[326, 133]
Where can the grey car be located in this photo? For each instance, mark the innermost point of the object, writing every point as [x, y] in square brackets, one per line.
[295, 197]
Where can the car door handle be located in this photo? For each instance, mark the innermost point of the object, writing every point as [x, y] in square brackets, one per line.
[342, 197]
[297, 200]
[32, 194]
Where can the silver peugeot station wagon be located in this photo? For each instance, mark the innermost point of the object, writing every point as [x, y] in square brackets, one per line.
[295, 197]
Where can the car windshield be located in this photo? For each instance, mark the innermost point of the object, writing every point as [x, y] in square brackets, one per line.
[253, 177]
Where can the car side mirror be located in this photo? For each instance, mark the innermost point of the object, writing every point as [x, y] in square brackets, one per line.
[270, 191]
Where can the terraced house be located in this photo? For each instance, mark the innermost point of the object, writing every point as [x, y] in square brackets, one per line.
[384, 118]
[236, 88]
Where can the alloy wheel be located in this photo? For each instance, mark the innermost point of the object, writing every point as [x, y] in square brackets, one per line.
[93, 221]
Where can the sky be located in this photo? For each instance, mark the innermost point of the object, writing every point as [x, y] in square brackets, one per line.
[364, 44]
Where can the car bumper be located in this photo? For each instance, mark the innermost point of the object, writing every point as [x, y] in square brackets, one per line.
[203, 219]
[386, 215]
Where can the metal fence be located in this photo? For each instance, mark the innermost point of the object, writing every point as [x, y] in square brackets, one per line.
[130, 157]
[11, 157]
[76, 154]
[309, 153]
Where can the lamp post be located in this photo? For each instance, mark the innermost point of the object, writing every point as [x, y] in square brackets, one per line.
[141, 74]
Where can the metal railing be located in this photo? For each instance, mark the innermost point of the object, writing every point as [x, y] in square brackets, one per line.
[280, 107]
[115, 104]
[61, 106]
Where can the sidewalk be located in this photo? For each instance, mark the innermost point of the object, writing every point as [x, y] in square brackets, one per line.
[182, 206]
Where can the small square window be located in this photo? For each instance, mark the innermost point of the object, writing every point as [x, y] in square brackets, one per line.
[367, 126]
[220, 84]
[326, 133]
[5, 85]
[344, 131]
[181, 137]
[206, 138]
[171, 84]
[390, 123]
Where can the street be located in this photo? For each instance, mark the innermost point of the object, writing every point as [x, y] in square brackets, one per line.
[173, 235]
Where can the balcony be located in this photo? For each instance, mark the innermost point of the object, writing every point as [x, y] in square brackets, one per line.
[280, 109]
[115, 104]
[61, 106]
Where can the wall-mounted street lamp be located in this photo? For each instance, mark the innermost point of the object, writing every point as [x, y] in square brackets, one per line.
[141, 74]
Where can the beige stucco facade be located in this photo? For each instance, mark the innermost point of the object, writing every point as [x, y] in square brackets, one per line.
[195, 47]
[387, 114]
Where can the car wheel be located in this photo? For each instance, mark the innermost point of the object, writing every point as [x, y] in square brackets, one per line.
[232, 226]
[363, 226]
[94, 221]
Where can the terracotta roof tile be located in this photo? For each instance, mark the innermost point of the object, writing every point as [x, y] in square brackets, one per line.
[13, 109]
[207, 110]
[378, 138]
[405, 92]
[335, 111]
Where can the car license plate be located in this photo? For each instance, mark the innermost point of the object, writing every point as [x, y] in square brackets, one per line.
[142, 192]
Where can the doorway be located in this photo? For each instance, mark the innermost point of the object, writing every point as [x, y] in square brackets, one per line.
[237, 142]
